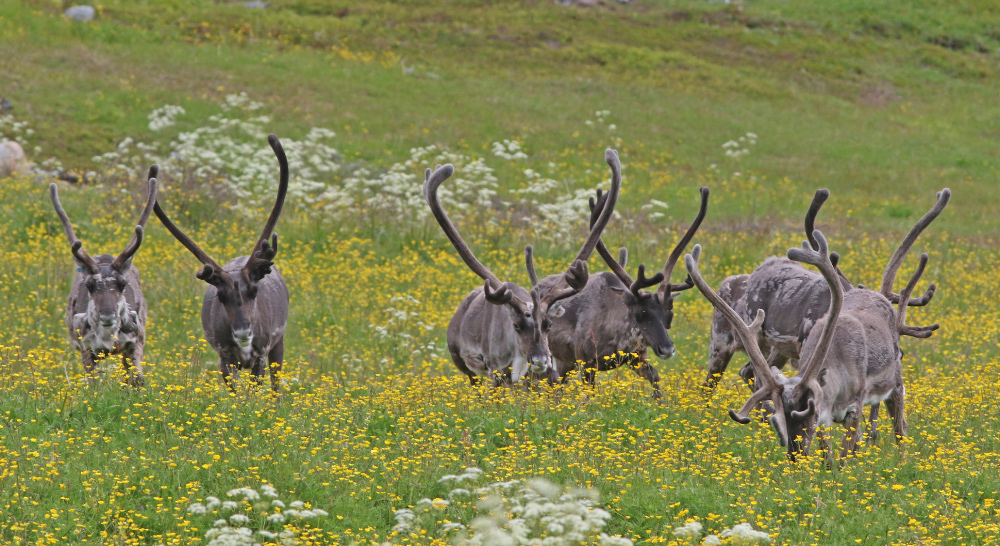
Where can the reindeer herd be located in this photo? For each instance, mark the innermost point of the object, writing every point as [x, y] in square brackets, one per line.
[842, 340]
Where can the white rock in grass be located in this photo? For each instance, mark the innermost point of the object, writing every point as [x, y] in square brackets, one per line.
[12, 159]
[81, 13]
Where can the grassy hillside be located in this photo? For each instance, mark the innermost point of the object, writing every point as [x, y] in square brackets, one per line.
[884, 104]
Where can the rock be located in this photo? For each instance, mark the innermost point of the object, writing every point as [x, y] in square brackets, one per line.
[5, 105]
[12, 159]
[256, 4]
[81, 13]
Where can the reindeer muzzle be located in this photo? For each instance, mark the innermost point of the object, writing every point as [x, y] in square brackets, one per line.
[664, 351]
[243, 338]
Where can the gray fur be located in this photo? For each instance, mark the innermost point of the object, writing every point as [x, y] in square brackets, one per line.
[127, 337]
[267, 316]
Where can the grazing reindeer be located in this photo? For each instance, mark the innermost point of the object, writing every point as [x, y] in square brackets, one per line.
[106, 312]
[850, 358]
[245, 310]
[615, 313]
[501, 330]
[793, 297]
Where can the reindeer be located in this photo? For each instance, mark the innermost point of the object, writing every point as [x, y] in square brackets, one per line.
[615, 314]
[106, 311]
[850, 358]
[245, 310]
[501, 330]
[794, 298]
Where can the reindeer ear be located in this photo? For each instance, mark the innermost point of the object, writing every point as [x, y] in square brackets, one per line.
[617, 289]
[821, 378]
[556, 311]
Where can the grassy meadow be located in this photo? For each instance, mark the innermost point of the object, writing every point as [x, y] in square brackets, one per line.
[881, 103]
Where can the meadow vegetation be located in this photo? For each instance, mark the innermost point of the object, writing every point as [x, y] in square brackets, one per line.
[882, 104]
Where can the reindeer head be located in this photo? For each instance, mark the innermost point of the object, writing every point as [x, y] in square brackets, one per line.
[237, 294]
[651, 312]
[531, 319]
[105, 278]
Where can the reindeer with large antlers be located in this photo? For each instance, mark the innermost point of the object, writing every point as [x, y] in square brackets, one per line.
[849, 359]
[614, 313]
[245, 310]
[500, 330]
[794, 299]
[106, 312]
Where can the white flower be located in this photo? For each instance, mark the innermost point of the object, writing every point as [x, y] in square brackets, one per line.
[212, 502]
[298, 504]
[276, 518]
[239, 519]
[197, 508]
[229, 505]
[277, 503]
[688, 531]
[712, 540]
[744, 533]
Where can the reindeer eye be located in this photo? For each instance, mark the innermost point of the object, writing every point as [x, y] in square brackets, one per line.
[546, 324]
[91, 285]
[120, 282]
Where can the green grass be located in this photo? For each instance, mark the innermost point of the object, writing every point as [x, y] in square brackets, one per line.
[835, 105]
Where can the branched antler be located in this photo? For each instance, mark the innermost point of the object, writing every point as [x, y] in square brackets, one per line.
[904, 302]
[889, 275]
[748, 334]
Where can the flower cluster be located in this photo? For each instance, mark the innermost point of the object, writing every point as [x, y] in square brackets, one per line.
[740, 147]
[601, 116]
[252, 519]
[509, 150]
[164, 117]
[742, 533]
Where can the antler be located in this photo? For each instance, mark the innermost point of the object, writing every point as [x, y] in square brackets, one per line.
[76, 245]
[817, 203]
[668, 268]
[260, 261]
[576, 276]
[889, 275]
[904, 302]
[618, 268]
[211, 272]
[125, 258]
[768, 386]
[499, 295]
[810, 369]
[529, 263]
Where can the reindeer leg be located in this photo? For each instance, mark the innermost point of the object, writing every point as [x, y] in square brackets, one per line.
[852, 433]
[823, 442]
[257, 370]
[226, 369]
[274, 361]
[132, 363]
[89, 363]
[644, 369]
[456, 357]
[873, 424]
[896, 404]
[720, 352]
